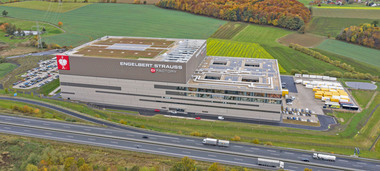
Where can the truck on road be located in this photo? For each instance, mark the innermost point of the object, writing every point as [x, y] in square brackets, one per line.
[324, 157]
[216, 142]
[270, 163]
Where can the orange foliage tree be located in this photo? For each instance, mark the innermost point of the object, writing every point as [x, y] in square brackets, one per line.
[289, 14]
[60, 24]
[364, 34]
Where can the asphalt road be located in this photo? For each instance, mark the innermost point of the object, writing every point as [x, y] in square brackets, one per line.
[236, 154]
[44, 53]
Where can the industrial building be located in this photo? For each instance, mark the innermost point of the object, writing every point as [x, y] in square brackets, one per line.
[170, 74]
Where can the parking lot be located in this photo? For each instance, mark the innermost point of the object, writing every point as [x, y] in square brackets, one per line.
[297, 114]
[39, 76]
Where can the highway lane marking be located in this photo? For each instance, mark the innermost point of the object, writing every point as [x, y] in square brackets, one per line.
[343, 160]
[26, 121]
[238, 159]
[360, 163]
[161, 148]
[288, 153]
[26, 130]
[271, 151]
[248, 150]
[377, 165]
[130, 135]
[107, 132]
[293, 167]
[355, 165]
[254, 148]
[48, 133]
[7, 119]
[186, 152]
[7, 128]
[238, 146]
[189, 140]
[91, 139]
[114, 142]
[87, 129]
[305, 155]
[66, 126]
[153, 138]
[211, 155]
[276, 154]
[175, 141]
[45, 124]
[69, 136]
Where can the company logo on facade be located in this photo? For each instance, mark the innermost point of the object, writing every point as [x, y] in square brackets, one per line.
[152, 70]
[148, 65]
[63, 62]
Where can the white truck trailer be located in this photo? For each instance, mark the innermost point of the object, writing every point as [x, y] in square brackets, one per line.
[270, 163]
[211, 141]
[324, 157]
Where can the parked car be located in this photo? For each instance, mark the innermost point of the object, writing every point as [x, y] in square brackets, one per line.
[157, 110]
[220, 117]
[145, 136]
[198, 118]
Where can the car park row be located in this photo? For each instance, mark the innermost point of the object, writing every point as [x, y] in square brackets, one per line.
[303, 115]
[39, 76]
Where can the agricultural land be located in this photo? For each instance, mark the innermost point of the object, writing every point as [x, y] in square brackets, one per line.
[346, 13]
[119, 20]
[47, 6]
[5, 68]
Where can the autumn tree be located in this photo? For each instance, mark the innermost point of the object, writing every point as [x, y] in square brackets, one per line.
[60, 24]
[186, 164]
[5, 13]
[216, 167]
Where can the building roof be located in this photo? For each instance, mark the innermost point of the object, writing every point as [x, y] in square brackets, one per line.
[141, 48]
[244, 73]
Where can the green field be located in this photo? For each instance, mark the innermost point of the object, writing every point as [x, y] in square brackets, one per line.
[305, 2]
[346, 13]
[333, 26]
[100, 19]
[46, 89]
[47, 6]
[357, 52]
[5, 68]
[362, 96]
[358, 65]
[229, 30]
[51, 30]
[288, 58]
[220, 47]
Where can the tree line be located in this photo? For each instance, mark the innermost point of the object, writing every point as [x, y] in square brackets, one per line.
[365, 34]
[289, 14]
[351, 70]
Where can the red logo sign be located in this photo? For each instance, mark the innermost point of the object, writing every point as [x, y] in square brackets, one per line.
[152, 70]
[63, 62]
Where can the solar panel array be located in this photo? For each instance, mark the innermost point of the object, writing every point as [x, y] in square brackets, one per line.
[134, 47]
[184, 51]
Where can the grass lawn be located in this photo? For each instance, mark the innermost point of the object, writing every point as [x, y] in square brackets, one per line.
[47, 88]
[229, 30]
[23, 151]
[47, 6]
[5, 68]
[220, 47]
[46, 113]
[362, 96]
[333, 26]
[27, 25]
[357, 52]
[307, 39]
[359, 66]
[288, 58]
[305, 2]
[346, 13]
[121, 20]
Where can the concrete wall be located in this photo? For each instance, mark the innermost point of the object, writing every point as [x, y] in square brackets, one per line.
[138, 93]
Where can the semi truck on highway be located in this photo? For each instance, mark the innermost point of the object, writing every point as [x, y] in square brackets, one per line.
[270, 163]
[324, 157]
[211, 141]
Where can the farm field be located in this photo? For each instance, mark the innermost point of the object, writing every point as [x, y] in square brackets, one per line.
[220, 47]
[51, 30]
[5, 68]
[346, 13]
[307, 39]
[357, 52]
[288, 58]
[229, 30]
[358, 65]
[349, 6]
[333, 26]
[47, 6]
[138, 20]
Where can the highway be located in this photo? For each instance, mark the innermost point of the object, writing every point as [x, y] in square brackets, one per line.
[177, 146]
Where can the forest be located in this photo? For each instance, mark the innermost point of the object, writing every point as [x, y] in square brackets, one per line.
[364, 34]
[289, 14]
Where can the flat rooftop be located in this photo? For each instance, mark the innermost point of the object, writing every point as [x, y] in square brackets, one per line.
[141, 48]
[244, 73]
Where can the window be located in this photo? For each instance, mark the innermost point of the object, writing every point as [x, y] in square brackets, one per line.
[252, 64]
[219, 63]
[253, 80]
